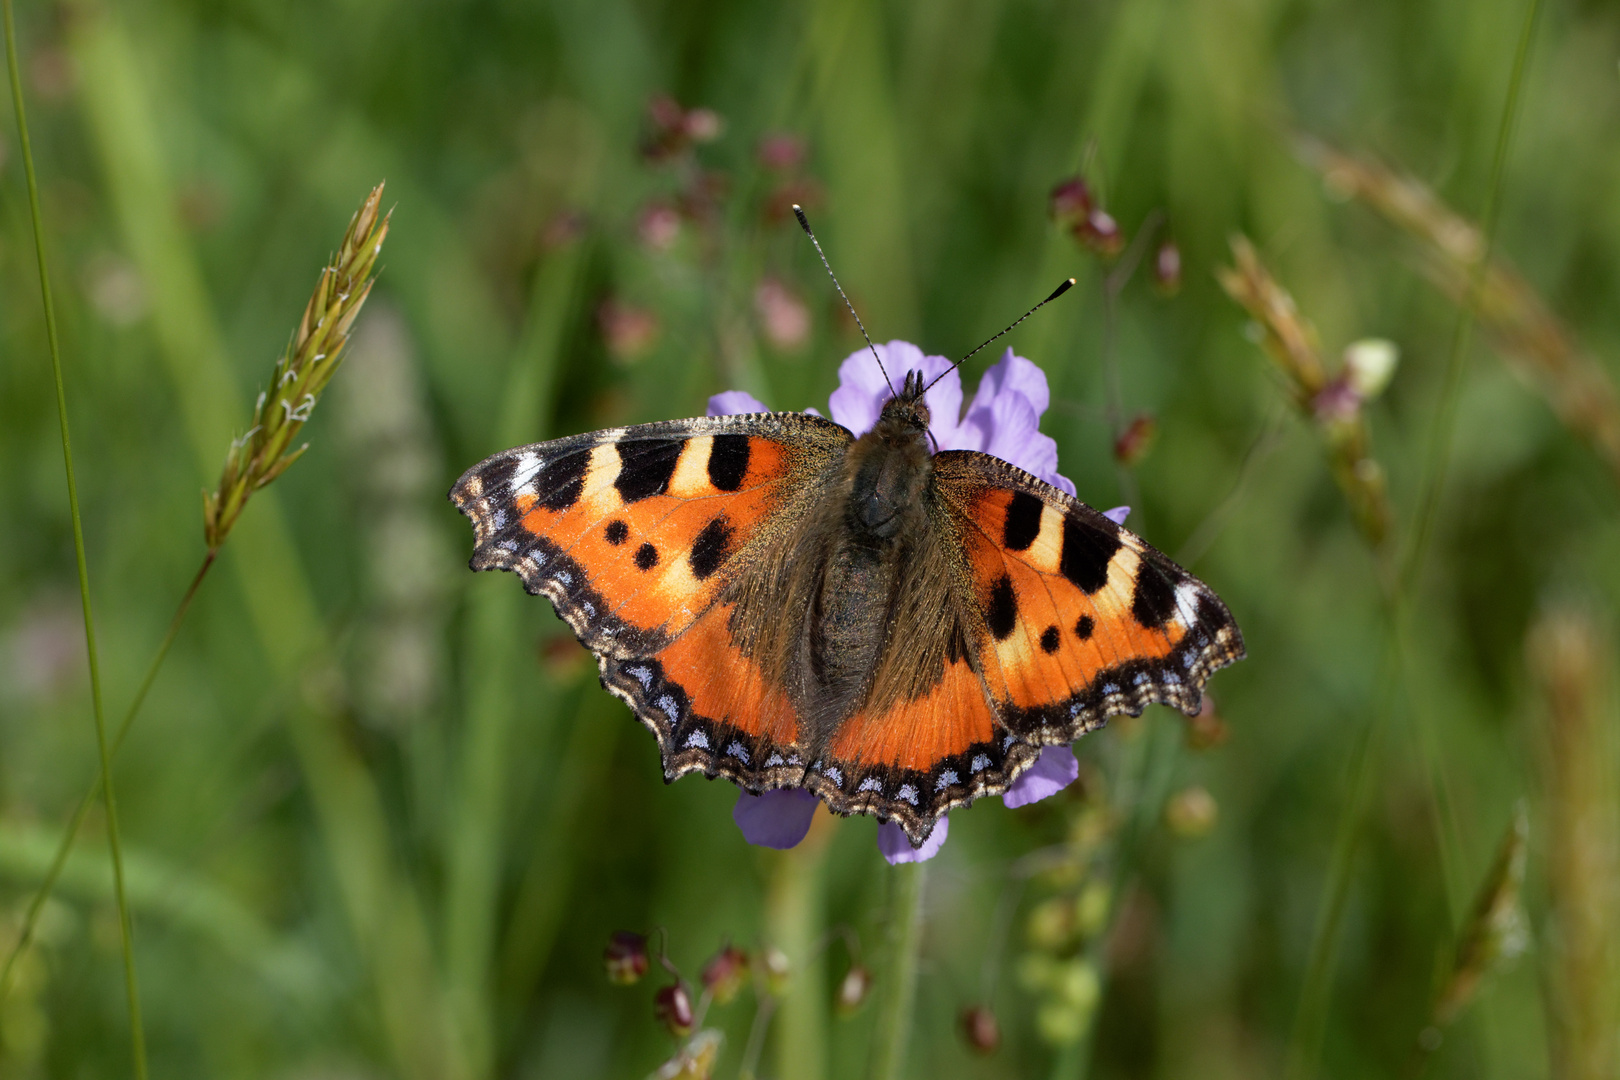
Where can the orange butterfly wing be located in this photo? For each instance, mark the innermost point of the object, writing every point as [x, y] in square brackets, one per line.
[634, 534]
[1062, 620]
[1080, 618]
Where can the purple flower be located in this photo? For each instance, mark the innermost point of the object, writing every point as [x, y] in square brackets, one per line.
[1002, 419]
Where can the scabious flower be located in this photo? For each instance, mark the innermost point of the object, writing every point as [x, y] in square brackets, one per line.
[1003, 419]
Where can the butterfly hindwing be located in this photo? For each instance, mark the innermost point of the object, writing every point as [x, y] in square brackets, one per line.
[1080, 619]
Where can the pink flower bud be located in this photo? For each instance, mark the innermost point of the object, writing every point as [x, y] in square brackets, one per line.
[781, 152]
[1070, 202]
[1101, 233]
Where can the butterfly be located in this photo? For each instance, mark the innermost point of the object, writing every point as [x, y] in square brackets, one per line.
[785, 604]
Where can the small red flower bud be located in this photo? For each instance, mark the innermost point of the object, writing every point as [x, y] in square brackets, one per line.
[1070, 202]
[980, 1029]
[1135, 441]
[1101, 233]
[673, 1007]
[852, 990]
[1167, 268]
[726, 973]
[658, 226]
[625, 958]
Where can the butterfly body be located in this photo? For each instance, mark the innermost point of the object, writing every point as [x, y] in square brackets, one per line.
[787, 605]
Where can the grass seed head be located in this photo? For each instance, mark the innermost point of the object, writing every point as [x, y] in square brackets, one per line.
[302, 372]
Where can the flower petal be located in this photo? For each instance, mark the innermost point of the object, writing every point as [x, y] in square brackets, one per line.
[1053, 771]
[1118, 514]
[1014, 374]
[777, 819]
[862, 390]
[733, 402]
[896, 846]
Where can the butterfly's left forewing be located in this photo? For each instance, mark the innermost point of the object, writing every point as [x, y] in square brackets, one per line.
[1078, 618]
[635, 534]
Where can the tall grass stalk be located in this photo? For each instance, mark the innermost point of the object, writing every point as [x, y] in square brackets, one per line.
[125, 929]
[1311, 1018]
[1438, 458]
[493, 648]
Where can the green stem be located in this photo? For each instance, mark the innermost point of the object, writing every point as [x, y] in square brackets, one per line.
[1445, 423]
[131, 987]
[894, 1021]
[1310, 1021]
[65, 845]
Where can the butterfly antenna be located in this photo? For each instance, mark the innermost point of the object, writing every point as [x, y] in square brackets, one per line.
[804, 223]
[1057, 292]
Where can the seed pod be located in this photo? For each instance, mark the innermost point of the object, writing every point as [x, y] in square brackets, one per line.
[852, 989]
[673, 1007]
[625, 958]
[1070, 202]
[1101, 233]
[979, 1029]
[725, 974]
[777, 969]
[1167, 268]
[1135, 441]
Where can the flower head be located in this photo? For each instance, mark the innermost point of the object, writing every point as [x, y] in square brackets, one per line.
[1003, 419]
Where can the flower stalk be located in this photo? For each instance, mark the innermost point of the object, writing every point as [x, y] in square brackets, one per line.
[899, 992]
[1332, 402]
[312, 357]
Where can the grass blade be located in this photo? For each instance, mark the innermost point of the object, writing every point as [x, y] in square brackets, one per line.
[131, 984]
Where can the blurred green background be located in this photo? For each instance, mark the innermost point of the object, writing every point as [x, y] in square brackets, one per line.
[378, 818]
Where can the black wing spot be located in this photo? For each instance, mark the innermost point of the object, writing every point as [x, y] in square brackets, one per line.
[1087, 551]
[1084, 627]
[1023, 521]
[498, 476]
[1155, 598]
[645, 467]
[1049, 640]
[646, 556]
[559, 483]
[617, 532]
[1003, 613]
[728, 461]
[712, 547]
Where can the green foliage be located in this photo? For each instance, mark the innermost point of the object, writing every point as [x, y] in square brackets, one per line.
[377, 819]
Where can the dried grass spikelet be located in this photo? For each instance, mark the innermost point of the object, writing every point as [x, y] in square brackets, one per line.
[1497, 931]
[1569, 654]
[1331, 401]
[1523, 328]
[265, 451]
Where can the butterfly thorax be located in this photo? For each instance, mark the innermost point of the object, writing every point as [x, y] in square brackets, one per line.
[864, 559]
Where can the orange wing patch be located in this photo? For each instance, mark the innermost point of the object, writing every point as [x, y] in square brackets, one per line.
[919, 734]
